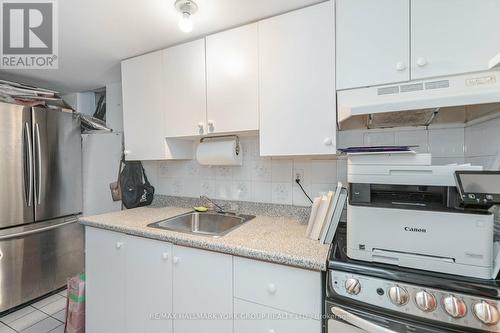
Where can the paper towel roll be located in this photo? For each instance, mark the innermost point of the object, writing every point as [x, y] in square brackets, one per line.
[218, 153]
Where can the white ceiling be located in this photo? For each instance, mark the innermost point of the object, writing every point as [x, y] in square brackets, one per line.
[94, 35]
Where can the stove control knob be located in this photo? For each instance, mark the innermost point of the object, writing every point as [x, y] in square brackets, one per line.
[454, 306]
[352, 286]
[398, 295]
[486, 313]
[425, 301]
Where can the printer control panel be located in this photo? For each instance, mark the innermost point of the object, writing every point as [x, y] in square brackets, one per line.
[480, 199]
[452, 308]
[478, 189]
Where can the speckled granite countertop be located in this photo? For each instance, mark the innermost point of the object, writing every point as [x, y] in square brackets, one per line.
[274, 239]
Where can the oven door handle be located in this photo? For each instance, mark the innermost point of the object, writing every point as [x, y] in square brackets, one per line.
[359, 322]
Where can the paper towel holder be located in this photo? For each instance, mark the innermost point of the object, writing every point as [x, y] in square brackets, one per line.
[224, 137]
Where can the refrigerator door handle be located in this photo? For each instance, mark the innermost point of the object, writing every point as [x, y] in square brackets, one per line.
[29, 147]
[39, 164]
[35, 231]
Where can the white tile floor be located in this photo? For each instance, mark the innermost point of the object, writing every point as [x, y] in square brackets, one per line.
[44, 316]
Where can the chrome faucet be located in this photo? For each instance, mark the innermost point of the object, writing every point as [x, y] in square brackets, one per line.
[219, 208]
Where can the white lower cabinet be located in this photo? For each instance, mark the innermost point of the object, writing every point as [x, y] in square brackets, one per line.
[137, 284]
[255, 318]
[148, 277]
[281, 287]
[105, 285]
[272, 298]
[129, 283]
[203, 287]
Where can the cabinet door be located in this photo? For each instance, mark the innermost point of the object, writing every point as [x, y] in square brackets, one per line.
[203, 284]
[142, 107]
[148, 285]
[297, 82]
[255, 318]
[372, 42]
[453, 36]
[232, 80]
[184, 89]
[105, 285]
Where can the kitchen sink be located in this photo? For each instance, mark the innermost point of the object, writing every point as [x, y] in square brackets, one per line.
[205, 224]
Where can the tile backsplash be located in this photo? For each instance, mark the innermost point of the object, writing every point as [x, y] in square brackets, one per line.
[259, 179]
[271, 180]
[483, 143]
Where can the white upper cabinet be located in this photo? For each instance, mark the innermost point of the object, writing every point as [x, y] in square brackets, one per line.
[297, 82]
[233, 80]
[372, 42]
[453, 36]
[142, 107]
[184, 90]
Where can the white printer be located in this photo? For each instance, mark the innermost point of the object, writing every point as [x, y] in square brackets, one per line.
[404, 211]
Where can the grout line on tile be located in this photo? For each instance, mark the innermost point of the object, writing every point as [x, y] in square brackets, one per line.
[55, 328]
[7, 325]
[35, 323]
[28, 307]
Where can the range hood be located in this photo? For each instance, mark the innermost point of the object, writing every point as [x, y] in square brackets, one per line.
[494, 63]
[450, 99]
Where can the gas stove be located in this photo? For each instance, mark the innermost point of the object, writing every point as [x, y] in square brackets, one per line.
[401, 299]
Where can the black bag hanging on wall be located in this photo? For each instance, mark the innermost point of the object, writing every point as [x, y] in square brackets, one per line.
[136, 189]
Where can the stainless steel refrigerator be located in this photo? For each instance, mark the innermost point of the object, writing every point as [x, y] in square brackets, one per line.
[41, 242]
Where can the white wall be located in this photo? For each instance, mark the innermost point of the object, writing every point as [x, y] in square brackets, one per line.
[83, 102]
[101, 155]
[259, 179]
[101, 158]
[114, 109]
[272, 180]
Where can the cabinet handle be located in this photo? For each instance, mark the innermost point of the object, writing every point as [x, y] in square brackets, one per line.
[127, 152]
[400, 66]
[176, 260]
[201, 127]
[328, 141]
[119, 245]
[211, 125]
[164, 256]
[421, 62]
[271, 288]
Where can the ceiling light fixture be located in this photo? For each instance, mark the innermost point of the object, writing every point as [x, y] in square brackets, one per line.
[186, 8]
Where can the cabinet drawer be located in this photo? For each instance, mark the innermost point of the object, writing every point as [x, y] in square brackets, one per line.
[287, 288]
[254, 318]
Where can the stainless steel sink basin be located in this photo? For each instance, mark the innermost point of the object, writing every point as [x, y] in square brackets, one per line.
[206, 224]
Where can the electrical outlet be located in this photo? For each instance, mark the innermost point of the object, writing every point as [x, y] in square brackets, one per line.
[298, 174]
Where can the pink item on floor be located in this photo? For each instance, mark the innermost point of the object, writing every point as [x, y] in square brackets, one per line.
[75, 308]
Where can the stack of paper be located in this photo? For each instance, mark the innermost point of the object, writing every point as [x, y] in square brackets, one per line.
[325, 215]
[18, 93]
